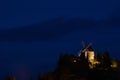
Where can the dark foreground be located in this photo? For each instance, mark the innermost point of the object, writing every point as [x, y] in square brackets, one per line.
[78, 68]
[70, 67]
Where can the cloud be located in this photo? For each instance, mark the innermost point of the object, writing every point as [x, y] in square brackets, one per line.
[57, 28]
[48, 30]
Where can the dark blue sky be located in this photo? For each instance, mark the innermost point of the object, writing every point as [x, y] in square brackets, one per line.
[24, 12]
[36, 31]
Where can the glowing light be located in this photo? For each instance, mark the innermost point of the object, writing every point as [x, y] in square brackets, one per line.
[93, 64]
[74, 61]
[114, 64]
[90, 56]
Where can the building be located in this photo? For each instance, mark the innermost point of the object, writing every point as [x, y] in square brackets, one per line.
[88, 53]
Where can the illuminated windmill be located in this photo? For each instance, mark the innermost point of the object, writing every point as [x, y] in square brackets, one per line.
[88, 53]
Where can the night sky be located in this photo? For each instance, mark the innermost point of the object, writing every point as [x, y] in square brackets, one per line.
[33, 33]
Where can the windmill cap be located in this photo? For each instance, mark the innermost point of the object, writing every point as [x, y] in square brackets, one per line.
[90, 48]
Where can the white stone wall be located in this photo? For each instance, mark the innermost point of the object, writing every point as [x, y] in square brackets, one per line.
[90, 56]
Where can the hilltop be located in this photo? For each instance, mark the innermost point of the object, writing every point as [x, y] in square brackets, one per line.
[86, 66]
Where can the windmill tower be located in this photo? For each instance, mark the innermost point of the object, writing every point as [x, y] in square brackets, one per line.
[88, 53]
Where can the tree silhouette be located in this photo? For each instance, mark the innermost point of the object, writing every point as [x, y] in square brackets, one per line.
[106, 59]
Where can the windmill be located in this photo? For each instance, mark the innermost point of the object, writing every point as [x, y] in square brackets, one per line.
[87, 51]
[84, 48]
